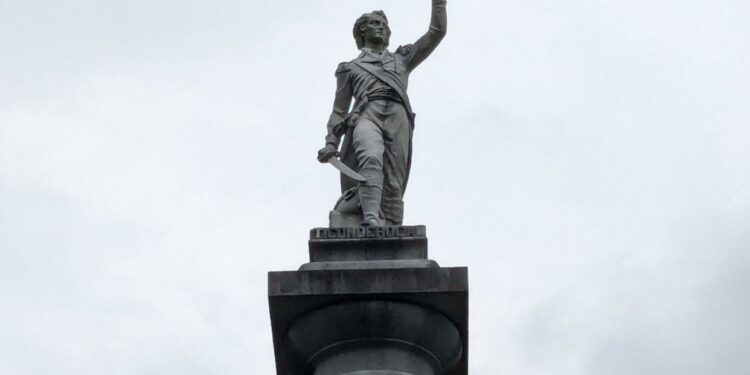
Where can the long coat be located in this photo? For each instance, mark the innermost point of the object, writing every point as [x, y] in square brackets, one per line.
[364, 73]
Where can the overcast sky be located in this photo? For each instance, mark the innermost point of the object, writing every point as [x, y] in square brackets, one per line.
[589, 161]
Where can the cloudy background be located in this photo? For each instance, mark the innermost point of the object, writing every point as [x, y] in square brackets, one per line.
[589, 161]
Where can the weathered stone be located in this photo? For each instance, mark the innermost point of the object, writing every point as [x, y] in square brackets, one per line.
[371, 264]
[370, 303]
[368, 243]
[375, 133]
[370, 319]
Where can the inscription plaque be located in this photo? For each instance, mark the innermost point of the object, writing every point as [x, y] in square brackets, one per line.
[400, 231]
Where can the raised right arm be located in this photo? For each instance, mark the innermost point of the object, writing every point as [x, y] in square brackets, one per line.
[423, 47]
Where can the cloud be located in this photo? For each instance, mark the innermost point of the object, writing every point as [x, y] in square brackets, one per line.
[156, 160]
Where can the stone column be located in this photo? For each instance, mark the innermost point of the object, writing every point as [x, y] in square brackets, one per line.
[370, 304]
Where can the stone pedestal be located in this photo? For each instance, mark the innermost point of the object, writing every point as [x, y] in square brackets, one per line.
[370, 303]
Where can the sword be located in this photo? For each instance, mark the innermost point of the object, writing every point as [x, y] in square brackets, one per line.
[334, 161]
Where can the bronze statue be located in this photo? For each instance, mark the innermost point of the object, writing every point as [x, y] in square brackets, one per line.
[376, 149]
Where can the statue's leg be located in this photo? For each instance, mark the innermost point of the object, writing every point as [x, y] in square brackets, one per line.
[367, 138]
[395, 164]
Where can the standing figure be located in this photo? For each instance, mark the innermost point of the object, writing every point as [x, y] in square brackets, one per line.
[378, 131]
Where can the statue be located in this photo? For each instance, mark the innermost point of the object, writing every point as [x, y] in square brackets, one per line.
[377, 132]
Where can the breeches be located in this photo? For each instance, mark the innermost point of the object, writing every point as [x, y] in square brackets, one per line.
[381, 142]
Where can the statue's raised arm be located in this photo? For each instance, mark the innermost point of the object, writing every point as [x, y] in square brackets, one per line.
[422, 48]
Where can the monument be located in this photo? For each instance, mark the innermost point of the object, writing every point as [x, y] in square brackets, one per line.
[370, 301]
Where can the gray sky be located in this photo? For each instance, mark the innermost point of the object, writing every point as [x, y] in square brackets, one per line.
[589, 161]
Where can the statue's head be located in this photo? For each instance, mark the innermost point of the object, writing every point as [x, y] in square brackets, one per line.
[372, 26]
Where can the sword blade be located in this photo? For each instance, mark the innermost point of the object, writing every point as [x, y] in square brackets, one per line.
[334, 161]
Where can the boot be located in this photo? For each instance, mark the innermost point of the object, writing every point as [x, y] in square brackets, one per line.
[369, 198]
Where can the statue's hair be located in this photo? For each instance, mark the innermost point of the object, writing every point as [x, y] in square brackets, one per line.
[361, 21]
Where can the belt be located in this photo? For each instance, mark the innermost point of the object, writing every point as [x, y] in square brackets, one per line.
[380, 93]
[385, 93]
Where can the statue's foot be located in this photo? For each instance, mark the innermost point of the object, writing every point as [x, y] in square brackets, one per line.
[370, 222]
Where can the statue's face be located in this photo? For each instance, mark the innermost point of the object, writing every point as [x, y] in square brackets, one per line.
[375, 30]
